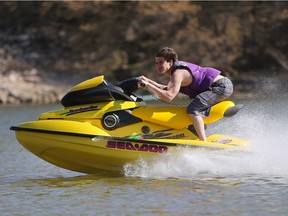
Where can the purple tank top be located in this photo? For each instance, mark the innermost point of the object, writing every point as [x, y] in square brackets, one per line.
[202, 77]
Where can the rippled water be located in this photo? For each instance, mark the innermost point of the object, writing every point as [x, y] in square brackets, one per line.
[189, 183]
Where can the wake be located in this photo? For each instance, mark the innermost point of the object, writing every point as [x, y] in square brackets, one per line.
[267, 155]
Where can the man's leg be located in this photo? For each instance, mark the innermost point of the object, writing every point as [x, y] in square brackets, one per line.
[198, 124]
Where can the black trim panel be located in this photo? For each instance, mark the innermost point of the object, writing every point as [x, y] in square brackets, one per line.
[15, 128]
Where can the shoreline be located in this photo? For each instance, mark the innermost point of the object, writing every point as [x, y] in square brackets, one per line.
[33, 88]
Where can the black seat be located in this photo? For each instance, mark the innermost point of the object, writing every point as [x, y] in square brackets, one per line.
[96, 94]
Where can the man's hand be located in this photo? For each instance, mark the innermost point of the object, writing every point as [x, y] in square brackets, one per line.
[142, 84]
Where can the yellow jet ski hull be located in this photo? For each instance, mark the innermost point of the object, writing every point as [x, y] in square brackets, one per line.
[85, 148]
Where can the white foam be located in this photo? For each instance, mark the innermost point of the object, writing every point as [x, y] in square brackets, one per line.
[266, 131]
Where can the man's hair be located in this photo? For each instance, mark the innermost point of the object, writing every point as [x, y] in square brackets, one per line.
[167, 53]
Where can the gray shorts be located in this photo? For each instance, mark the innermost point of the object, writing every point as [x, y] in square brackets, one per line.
[218, 91]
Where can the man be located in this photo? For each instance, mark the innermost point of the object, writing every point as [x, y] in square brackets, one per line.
[204, 84]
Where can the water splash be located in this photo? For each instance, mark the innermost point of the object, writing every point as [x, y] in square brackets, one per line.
[263, 126]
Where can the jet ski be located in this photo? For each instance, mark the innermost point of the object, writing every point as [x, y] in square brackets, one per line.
[104, 126]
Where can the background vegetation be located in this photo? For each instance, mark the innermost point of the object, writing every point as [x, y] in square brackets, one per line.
[58, 40]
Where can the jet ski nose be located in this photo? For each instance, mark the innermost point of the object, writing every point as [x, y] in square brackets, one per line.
[233, 110]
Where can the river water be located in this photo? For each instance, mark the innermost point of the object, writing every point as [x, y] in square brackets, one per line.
[189, 183]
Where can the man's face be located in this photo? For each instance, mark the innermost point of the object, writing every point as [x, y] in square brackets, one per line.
[162, 65]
